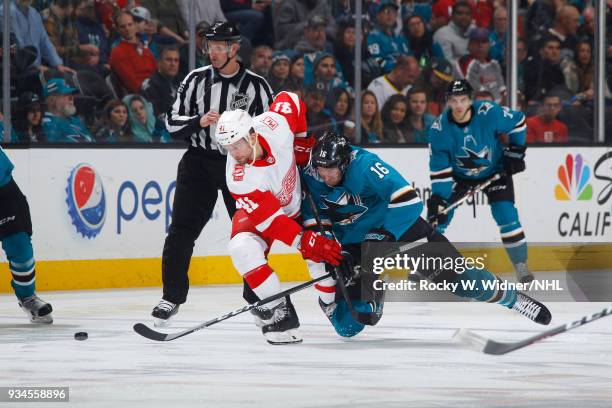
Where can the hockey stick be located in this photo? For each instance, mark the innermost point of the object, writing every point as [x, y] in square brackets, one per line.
[364, 318]
[489, 346]
[151, 334]
[466, 196]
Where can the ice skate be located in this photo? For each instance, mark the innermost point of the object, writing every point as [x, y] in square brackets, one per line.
[38, 310]
[532, 309]
[163, 312]
[282, 326]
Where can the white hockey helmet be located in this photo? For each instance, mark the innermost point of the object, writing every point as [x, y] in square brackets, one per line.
[232, 126]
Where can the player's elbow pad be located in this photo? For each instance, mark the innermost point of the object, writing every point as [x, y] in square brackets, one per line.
[284, 229]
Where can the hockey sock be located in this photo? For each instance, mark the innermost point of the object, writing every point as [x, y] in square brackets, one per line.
[511, 230]
[264, 283]
[326, 289]
[18, 250]
[482, 285]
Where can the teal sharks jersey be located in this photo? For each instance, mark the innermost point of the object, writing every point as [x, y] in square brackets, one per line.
[372, 195]
[6, 168]
[472, 150]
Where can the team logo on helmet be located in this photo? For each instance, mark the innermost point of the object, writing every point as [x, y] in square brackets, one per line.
[86, 200]
[239, 101]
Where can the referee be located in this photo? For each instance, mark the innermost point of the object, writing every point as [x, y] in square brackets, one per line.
[202, 97]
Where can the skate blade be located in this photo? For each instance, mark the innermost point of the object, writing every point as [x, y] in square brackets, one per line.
[48, 319]
[287, 337]
[157, 322]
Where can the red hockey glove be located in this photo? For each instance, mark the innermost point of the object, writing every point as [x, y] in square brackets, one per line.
[302, 147]
[317, 248]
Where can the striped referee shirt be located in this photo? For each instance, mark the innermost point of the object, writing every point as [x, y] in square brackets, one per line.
[205, 89]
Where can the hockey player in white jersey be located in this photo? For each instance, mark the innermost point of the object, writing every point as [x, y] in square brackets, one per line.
[262, 176]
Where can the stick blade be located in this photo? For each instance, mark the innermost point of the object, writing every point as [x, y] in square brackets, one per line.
[482, 344]
[146, 331]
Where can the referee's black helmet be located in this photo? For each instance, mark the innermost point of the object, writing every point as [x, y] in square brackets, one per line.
[222, 31]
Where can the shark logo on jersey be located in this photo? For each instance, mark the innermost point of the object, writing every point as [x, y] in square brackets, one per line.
[345, 209]
[484, 108]
[474, 161]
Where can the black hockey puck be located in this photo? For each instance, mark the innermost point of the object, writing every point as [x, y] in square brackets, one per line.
[80, 336]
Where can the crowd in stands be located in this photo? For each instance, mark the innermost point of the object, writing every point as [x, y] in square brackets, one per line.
[108, 70]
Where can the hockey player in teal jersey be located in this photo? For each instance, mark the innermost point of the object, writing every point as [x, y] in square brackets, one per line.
[15, 233]
[364, 199]
[465, 149]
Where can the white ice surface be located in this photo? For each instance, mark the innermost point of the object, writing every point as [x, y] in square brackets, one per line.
[408, 360]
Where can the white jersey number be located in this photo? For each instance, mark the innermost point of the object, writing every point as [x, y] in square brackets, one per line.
[380, 170]
[247, 204]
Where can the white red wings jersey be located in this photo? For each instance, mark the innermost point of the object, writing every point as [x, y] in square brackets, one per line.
[269, 189]
[293, 109]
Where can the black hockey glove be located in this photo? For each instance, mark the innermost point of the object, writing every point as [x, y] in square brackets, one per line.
[514, 159]
[379, 235]
[348, 270]
[435, 205]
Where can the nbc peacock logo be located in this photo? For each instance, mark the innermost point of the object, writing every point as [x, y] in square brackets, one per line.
[574, 178]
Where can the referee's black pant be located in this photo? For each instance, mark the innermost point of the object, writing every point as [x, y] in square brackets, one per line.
[201, 173]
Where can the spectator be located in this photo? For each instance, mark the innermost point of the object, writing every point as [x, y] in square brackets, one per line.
[324, 70]
[28, 118]
[115, 126]
[482, 72]
[435, 79]
[398, 81]
[247, 15]
[565, 28]
[394, 119]
[484, 96]
[279, 73]
[587, 30]
[61, 32]
[205, 11]
[578, 72]
[498, 35]
[545, 127]
[482, 11]
[161, 88]
[28, 28]
[315, 37]
[383, 44]
[131, 60]
[145, 126]
[419, 121]
[168, 15]
[420, 41]
[521, 54]
[3, 135]
[105, 10]
[318, 120]
[543, 72]
[261, 60]
[338, 106]
[344, 51]
[201, 59]
[540, 17]
[60, 123]
[147, 31]
[292, 17]
[453, 37]
[296, 70]
[371, 122]
[92, 37]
